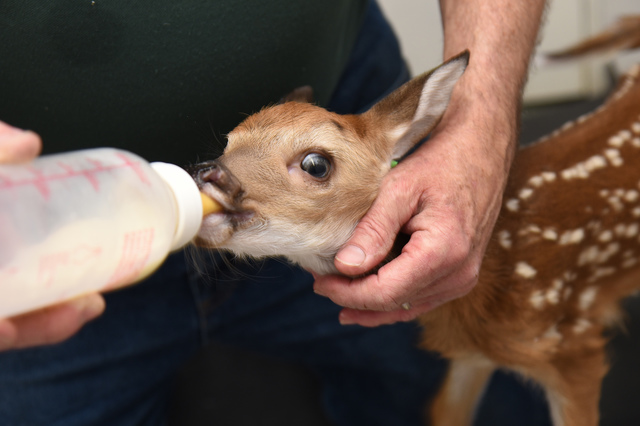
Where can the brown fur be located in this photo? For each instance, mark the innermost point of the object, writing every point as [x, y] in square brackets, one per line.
[498, 320]
[562, 255]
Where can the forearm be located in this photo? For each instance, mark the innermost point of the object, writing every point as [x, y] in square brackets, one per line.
[501, 36]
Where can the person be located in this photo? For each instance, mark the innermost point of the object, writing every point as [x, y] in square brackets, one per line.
[152, 80]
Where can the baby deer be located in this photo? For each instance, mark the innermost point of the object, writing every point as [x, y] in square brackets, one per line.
[295, 180]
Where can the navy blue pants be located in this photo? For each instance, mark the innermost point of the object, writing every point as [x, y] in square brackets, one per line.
[118, 369]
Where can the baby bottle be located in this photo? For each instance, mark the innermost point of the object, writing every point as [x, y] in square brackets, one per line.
[88, 221]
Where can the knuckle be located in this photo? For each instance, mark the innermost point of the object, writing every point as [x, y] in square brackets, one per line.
[376, 229]
[387, 298]
[460, 250]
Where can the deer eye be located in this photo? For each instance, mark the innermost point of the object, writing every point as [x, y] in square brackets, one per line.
[316, 165]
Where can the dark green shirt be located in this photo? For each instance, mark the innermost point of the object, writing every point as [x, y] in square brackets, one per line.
[163, 78]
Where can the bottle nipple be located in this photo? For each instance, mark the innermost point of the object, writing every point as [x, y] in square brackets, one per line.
[209, 205]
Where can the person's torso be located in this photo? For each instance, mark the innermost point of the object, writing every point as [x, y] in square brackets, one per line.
[163, 78]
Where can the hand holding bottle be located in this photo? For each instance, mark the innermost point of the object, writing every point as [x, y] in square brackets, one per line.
[55, 323]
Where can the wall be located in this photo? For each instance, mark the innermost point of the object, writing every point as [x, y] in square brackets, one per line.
[417, 23]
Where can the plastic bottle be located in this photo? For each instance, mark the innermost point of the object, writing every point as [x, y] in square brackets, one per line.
[88, 221]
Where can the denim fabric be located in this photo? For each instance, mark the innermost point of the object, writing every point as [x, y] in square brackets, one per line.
[118, 369]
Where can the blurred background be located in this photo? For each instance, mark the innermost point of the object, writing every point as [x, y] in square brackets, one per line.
[225, 386]
[417, 24]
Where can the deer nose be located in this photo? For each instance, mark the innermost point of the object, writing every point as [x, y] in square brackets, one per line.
[216, 174]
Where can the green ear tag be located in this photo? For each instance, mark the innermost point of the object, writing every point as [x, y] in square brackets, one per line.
[394, 163]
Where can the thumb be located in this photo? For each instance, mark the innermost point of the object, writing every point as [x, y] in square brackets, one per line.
[374, 236]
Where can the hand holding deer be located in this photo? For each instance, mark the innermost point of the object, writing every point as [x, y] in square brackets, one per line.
[446, 196]
[442, 191]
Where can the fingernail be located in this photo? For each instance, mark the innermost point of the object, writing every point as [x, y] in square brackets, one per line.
[351, 255]
[344, 319]
[90, 306]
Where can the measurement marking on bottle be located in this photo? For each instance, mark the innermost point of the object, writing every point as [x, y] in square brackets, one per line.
[50, 264]
[41, 181]
[136, 248]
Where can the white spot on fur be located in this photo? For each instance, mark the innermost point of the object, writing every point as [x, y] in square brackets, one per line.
[614, 201]
[601, 272]
[613, 155]
[635, 127]
[632, 230]
[552, 333]
[635, 142]
[625, 135]
[615, 141]
[553, 294]
[629, 263]
[581, 325]
[525, 270]
[626, 231]
[530, 229]
[572, 237]
[525, 193]
[513, 205]
[596, 162]
[537, 299]
[536, 181]
[605, 236]
[593, 254]
[550, 234]
[631, 196]
[587, 297]
[583, 118]
[548, 176]
[636, 212]
[504, 238]
[566, 126]
[583, 169]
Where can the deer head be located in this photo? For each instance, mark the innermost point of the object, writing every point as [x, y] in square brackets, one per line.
[295, 179]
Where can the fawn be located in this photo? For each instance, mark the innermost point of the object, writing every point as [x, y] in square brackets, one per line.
[564, 251]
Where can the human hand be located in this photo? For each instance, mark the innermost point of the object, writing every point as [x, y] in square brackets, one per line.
[52, 324]
[446, 196]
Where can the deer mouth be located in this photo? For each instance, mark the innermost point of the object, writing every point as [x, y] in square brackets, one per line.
[216, 182]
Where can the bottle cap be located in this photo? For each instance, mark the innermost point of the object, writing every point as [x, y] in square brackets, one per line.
[188, 202]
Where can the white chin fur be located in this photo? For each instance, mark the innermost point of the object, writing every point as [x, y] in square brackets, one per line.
[312, 248]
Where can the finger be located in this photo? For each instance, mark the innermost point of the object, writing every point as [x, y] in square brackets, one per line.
[375, 233]
[423, 260]
[18, 146]
[50, 325]
[384, 291]
[457, 284]
[375, 318]
[440, 293]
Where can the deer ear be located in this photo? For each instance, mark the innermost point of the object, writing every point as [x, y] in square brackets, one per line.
[413, 110]
[302, 94]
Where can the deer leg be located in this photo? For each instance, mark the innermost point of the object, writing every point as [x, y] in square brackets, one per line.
[573, 390]
[459, 397]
